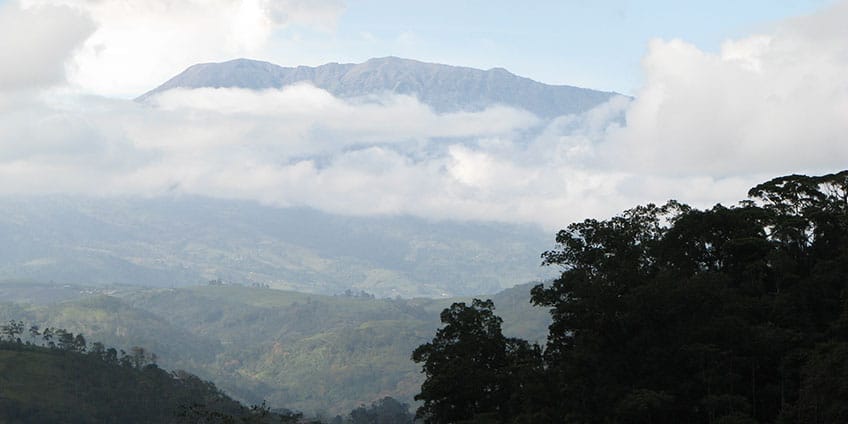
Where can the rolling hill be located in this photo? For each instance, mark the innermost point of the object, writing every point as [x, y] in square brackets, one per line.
[324, 354]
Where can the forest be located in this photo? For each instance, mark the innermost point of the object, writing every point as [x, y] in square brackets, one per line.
[668, 314]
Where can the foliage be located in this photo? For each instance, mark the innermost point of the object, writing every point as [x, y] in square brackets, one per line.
[673, 314]
[314, 353]
[384, 411]
[69, 384]
[472, 371]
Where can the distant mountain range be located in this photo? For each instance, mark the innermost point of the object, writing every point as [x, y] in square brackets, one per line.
[444, 88]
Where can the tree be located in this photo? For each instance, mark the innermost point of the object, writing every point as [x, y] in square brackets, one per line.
[669, 314]
[385, 411]
[47, 335]
[111, 355]
[824, 387]
[79, 344]
[98, 350]
[64, 339]
[12, 331]
[467, 367]
[34, 332]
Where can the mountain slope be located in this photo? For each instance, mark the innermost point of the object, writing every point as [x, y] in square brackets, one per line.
[170, 242]
[444, 88]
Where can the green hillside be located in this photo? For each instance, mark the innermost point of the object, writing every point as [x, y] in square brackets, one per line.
[313, 353]
[41, 385]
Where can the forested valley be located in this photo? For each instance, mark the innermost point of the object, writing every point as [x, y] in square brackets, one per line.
[662, 314]
[323, 355]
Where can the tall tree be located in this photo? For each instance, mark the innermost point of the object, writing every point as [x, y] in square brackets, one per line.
[65, 339]
[34, 333]
[464, 365]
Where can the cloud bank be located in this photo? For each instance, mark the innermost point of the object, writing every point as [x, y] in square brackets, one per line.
[704, 128]
[36, 43]
[139, 42]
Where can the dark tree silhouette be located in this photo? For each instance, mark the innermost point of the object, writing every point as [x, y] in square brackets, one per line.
[384, 411]
[669, 314]
[471, 367]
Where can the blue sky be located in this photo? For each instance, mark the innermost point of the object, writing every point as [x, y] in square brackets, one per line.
[598, 44]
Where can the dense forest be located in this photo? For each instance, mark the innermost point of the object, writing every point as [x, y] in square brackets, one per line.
[669, 314]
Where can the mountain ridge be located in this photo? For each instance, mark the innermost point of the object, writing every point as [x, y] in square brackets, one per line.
[445, 88]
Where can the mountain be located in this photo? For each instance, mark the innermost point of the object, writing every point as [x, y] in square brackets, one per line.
[444, 88]
[178, 241]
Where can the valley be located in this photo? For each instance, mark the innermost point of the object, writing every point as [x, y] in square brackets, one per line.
[313, 353]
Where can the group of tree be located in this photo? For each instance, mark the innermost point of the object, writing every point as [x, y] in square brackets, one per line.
[58, 378]
[669, 314]
[55, 376]
[387, 410]
[358, 294]
[64, 340]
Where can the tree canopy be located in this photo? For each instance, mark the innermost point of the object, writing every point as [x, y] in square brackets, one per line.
[472, 369]
[673, 314]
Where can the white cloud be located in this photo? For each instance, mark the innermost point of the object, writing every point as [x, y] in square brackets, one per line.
[770, 104]
[36, 42]
[140, 43]
[378, 118]
[705, 128]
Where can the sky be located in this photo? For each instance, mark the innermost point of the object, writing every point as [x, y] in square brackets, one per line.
[724, 95]
[596, 44]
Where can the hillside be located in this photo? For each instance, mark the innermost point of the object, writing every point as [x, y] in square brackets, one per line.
[50, 385]
[444, 88]
[180, 241]
[309, 352]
